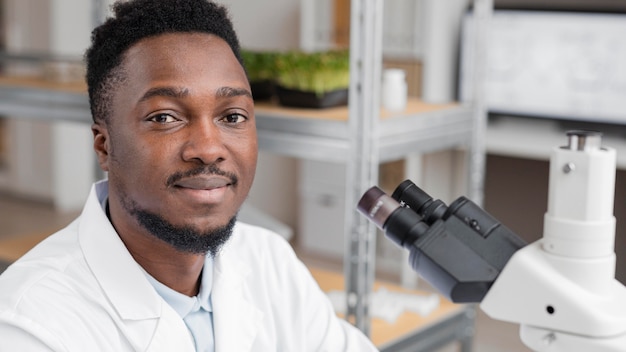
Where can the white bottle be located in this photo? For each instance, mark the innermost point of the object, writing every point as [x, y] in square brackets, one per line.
[394, 89]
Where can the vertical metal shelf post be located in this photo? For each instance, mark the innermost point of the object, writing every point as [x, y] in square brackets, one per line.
[482, 15]
[362, 166]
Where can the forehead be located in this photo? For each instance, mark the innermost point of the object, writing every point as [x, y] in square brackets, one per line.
[197, 63]
[182, 53]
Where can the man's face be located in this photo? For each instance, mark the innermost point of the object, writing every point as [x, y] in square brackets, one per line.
[181, 142]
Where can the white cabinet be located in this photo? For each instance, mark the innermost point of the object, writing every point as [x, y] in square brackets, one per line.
[321, 205]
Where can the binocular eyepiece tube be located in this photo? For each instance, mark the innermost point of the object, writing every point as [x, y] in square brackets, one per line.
[460, 249]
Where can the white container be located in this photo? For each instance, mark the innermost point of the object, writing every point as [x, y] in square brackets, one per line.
[394, 89]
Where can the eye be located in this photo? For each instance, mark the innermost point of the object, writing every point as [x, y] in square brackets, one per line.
[234, 118]
[163, 118]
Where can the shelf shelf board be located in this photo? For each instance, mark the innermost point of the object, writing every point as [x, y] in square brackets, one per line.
[323, 134]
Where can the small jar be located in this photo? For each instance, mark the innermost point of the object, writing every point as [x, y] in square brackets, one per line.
[394, 89]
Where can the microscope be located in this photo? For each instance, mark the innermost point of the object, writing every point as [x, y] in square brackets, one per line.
[561, 289]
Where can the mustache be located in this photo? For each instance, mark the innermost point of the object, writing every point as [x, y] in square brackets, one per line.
[211, 169]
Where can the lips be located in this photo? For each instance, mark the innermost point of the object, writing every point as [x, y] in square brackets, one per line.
[203, 182]
[205, 190]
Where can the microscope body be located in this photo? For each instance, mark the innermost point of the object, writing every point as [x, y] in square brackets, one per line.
[561, 289]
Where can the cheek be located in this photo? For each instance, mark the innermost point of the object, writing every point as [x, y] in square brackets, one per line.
[145, 162]
[129, 155]
[248, 153]
[119, 149]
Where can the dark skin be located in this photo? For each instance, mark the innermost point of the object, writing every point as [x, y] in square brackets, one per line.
[185, 104]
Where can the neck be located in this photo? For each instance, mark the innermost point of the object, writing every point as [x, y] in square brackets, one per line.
[178, 270]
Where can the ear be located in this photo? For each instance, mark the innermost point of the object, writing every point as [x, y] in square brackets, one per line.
[101, 144]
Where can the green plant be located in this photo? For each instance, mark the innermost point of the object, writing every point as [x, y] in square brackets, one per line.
[317, 72]
[260, 65]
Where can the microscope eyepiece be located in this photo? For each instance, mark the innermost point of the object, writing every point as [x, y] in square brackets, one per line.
[400, 224]
[376, 205]
[408, 194]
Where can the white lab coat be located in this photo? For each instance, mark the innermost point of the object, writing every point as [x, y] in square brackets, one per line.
[81, 290]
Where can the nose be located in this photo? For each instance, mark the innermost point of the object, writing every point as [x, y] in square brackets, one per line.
[204, 143]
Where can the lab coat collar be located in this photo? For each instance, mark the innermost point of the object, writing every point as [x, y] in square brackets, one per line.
[144, 313]
[113, 266]
[236, 320]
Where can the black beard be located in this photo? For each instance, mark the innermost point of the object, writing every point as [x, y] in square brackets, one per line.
[183, 238]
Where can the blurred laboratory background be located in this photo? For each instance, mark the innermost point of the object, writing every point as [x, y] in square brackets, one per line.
[490, 88]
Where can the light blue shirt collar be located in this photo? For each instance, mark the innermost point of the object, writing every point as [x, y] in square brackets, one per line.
[184, 304]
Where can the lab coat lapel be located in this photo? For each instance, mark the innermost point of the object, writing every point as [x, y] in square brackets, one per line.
[236, 319]
[171, 334]
[143, 314]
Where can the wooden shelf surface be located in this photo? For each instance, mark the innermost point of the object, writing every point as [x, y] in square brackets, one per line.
[382, 332]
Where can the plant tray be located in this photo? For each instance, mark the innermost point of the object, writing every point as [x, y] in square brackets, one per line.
[302, 99]
[262, 90]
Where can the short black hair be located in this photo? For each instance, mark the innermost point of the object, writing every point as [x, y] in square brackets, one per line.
[138, 19]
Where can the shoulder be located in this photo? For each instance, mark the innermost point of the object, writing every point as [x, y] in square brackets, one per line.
[50, 257]
[51, 271]
[51, 296]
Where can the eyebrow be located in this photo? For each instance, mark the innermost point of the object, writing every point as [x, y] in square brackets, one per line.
[171, 92]
[229, 92]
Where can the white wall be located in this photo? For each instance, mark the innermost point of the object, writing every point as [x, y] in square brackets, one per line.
[267, 24]
[441, 27]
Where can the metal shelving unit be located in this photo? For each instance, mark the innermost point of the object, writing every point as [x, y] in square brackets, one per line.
[362, 137]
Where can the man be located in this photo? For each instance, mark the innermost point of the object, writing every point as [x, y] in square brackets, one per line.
[156, 260]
